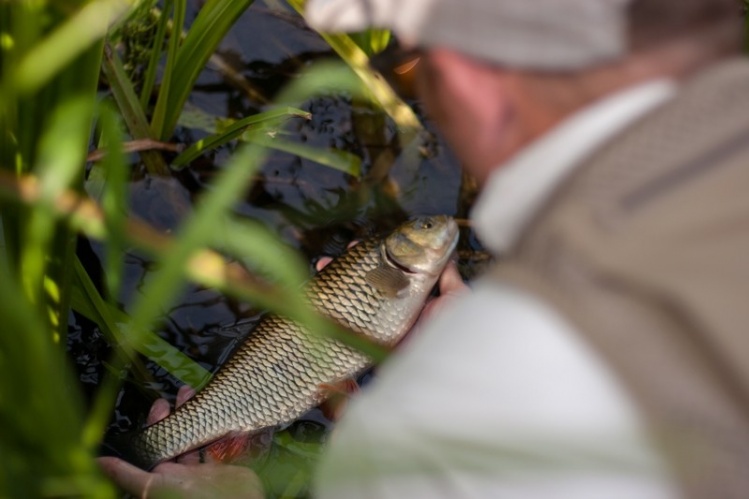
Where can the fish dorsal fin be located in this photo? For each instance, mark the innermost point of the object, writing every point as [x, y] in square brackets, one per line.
[388, 280]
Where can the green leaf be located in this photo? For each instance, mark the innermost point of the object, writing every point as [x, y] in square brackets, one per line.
[131, 110]
[41, 415]
[114, 199]
[111, 322]
[340, 160]
[56, 51]
[233, 131]
[197, 119]
[59, 164]
[149, 77]
[380, 91]
[210, 26]
[162, 102]
[160, 290]
[372, 41]
[259, 248]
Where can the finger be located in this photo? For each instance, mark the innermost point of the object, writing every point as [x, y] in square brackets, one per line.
[209, 480]
[325, 260]
[426, 314]
[322, 262]
[451, 286]
[450, 281]
[159, 410]
[191, 458]
[130, 478]
[184, 394]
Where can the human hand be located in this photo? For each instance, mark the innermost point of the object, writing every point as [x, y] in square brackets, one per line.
[451, 286]
[185, 478]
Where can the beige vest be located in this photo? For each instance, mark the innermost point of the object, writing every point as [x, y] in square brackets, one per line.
[645, 249]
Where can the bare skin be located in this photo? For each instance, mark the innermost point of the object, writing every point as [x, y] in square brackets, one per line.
[489, 113]
[188, 478]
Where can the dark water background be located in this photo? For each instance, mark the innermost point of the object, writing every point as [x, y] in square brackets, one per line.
[314, 208]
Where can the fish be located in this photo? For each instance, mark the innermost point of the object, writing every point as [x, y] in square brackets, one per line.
[376, 289]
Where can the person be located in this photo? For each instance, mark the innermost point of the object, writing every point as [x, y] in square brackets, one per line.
[605, 355]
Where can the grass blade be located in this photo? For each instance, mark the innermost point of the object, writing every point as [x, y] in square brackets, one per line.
[210, 26]
[149, 77]
[339, 160]
[63, 45]
[159, 292]
[131, 110]
[114, 199]
[179, 8]
[259, 249]
[41, 418]
[233, 131]
[358, 61]
[59, 164]
[88, 301]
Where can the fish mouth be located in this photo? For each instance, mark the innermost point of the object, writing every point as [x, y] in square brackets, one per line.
[394, 263]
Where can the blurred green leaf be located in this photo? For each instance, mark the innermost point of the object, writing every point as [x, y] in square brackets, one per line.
[198, 230]
[356, 59]
[60, 162]
[70, 39]
[372, 41]
[111, 321]
[260, 249]
[40, 408]
[198, 119]
[340, 160]
[114, 199]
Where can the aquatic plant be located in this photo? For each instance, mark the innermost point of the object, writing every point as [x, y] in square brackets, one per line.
[51, 114]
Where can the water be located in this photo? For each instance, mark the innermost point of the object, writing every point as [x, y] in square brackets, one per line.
[314, 208]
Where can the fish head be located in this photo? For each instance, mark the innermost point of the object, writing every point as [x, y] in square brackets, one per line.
[422, 246]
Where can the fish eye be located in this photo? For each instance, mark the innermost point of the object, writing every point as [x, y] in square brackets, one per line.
[426, 225]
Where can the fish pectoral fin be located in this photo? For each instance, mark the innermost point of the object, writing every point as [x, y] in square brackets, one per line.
[388, 280]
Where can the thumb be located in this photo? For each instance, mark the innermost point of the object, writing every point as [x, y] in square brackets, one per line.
[450, 281]
[131, 478]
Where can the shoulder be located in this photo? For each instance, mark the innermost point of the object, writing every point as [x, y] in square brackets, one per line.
[498, 375]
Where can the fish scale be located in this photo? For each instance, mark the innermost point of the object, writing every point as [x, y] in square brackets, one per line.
[277, 374]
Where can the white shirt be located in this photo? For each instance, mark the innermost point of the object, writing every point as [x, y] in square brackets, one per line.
[498, 396]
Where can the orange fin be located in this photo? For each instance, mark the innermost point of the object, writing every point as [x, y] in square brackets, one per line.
[337, 395]
[240, 446]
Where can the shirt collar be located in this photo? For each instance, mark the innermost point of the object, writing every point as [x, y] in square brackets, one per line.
[516, 190]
